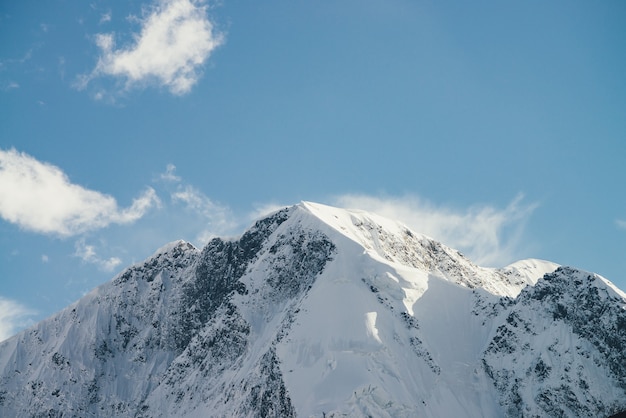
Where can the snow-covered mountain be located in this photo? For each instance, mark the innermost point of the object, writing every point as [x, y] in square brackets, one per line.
[319, 311]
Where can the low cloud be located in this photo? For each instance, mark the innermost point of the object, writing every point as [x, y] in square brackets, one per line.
[39, 197]
[87, 253]
[13, 317]
[489, 236]
[175, 40]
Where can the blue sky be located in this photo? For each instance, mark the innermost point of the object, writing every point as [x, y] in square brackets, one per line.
[498, 128]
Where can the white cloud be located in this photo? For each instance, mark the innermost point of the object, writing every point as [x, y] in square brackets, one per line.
[189, 214]
[489, 236]
[87, 253]
[39, 197]
[175, 40]
[45, 258]
[13, 317]
[219, 219]
[620, 223]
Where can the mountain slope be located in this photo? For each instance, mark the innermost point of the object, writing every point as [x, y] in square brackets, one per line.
[321, 311]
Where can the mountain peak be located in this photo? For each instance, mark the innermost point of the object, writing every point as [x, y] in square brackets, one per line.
[320, 311]
[390, 241]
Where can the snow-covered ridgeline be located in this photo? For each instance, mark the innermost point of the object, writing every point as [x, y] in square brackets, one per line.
[322, 311]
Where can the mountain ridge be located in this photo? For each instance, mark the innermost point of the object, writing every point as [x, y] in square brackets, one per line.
[322, 311]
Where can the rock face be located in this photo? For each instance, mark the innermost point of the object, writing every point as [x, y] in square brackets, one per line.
[561, 349]
[318, 311]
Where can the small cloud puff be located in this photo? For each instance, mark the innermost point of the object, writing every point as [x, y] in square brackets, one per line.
[175, 40]
[620, 224]
[39, 197]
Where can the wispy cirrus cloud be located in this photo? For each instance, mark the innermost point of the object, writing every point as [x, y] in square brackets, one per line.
[264, 209]
[13, 317]
[24, 58]
[490, 236]
[175, 40]
[216, 219]
[39, 197]
[213, 218]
